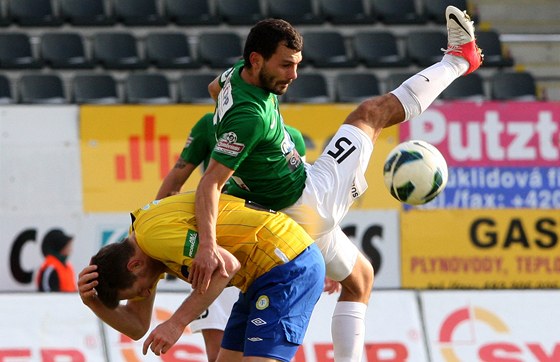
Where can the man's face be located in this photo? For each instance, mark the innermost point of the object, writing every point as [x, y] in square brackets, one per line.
[144, 285]
[280, 70]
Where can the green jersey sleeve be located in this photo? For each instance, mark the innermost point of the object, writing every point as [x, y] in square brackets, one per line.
[298, 139]
[200, 142]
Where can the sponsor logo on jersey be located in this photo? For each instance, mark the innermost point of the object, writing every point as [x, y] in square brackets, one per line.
[262, 303]
[254, 339]
[191, 244]
[228, 145]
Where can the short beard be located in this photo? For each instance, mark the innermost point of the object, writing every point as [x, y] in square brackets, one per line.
[266, 82]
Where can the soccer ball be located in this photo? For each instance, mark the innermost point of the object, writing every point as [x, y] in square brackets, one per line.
[415, 172]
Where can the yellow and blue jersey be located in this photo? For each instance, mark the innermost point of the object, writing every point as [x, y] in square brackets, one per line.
[166, 231]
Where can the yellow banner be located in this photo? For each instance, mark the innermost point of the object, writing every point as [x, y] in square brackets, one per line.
[480, 249]
[128, 150]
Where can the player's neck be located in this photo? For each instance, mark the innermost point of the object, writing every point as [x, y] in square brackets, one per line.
[250, 76]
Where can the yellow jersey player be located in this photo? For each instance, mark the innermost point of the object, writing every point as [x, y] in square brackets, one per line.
[269, 257]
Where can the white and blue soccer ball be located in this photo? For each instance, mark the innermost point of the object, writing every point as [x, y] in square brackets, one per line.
[415, 172]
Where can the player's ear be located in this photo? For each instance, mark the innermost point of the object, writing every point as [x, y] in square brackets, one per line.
[133, 264]
[256, 60]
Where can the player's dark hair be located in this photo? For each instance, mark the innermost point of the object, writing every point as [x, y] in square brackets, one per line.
[111, 261]
[267, 34]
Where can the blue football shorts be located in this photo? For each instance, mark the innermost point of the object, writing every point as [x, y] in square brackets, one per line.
[271, 318]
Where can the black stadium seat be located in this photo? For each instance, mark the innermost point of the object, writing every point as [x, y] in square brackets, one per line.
[41, 89]
[308, 88]
[117, 50]
[169, 51]
[424, 47]
[95, 89]
[190, 12]
[294, 11]
[33, 13]
[356, 87]
[64, 50]
[326, 49]
[15, 51]
[518, 86]
[378, 49]
[86, 13]
[239, 12]
[193, 88]
[147, 88]
[138, 12]
[219, 49]
[396, 11]
[345, 12]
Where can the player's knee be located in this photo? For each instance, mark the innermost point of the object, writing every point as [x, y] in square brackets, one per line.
[357, 287]
[377, 112]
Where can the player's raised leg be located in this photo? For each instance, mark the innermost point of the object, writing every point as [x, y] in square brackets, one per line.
[415, 95]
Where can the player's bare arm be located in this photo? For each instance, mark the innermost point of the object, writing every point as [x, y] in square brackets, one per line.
[214, 88]
[131, 319]
[176, 178]
[164, 336]
[207, 258]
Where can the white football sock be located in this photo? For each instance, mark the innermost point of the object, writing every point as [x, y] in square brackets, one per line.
[348, 331]
[419, 91]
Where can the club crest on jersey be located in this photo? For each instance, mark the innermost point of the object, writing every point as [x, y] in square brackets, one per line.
[262, 302]
[228, 145]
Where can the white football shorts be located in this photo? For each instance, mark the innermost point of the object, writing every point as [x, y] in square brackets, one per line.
[334, 181]
[217, 314]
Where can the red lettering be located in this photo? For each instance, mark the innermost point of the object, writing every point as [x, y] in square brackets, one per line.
[5, 354]
[498, 352]
[324, 352]
[541, 355]
[51, 355]
[184, 353]
[386, 352]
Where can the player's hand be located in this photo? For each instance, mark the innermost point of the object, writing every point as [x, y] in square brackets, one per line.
[163, 337]
[331, 286]
[87, 281]
[205, 262]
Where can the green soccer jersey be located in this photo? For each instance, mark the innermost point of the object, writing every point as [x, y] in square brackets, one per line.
[201, 141]
[252, 140]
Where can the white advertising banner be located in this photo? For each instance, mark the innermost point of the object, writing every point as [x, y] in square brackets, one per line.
[40, 169]
[377, 234]
[48, 328]
[189, 347]
[393, 332]
[492, 326]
